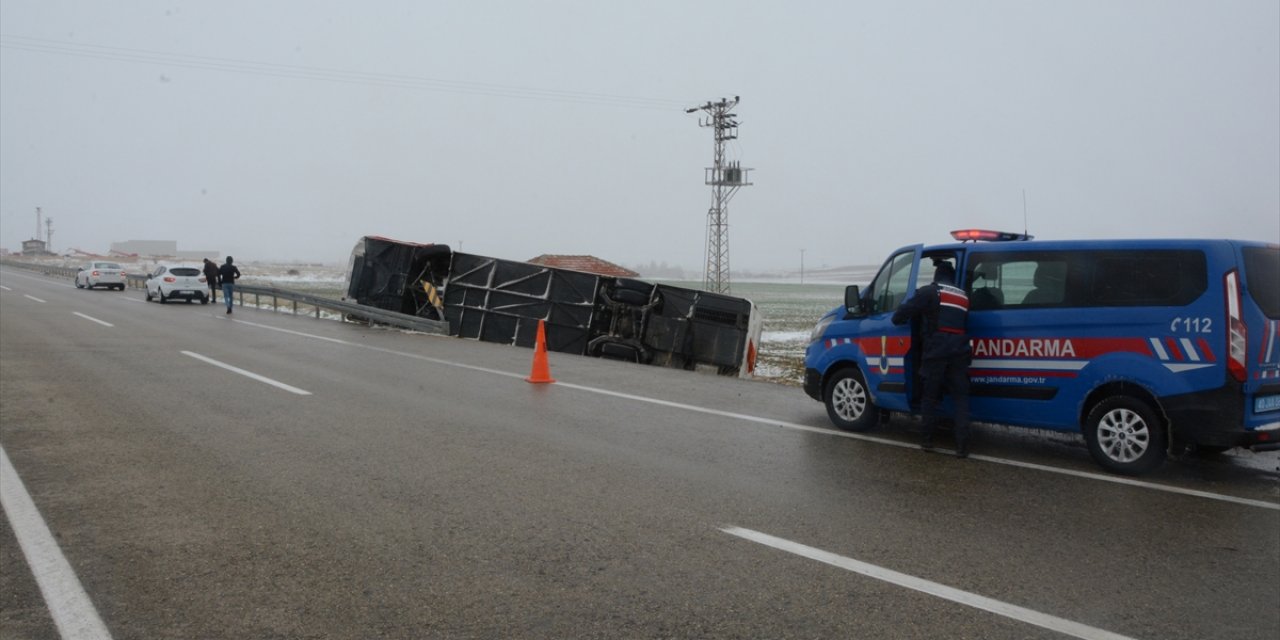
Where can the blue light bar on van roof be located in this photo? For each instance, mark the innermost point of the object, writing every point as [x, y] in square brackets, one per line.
[974, 235]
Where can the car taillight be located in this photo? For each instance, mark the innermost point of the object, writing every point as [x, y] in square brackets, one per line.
[170, 279]
[201, 279]
[95, 273]
[1237, 332]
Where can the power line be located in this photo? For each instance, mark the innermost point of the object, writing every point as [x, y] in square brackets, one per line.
[297, 72]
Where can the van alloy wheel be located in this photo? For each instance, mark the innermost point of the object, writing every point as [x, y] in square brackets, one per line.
[848, 403]
[1125, 436]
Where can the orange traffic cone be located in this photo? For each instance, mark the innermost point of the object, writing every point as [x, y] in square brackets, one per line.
[541, 370]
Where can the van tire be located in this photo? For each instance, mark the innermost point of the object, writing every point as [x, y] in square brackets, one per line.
[1125, 436]
[848, 403]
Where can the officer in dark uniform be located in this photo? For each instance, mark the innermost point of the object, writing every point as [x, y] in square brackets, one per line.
[943, 309]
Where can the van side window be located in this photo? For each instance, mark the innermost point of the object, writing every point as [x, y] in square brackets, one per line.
[890, 286]
[1004, 280]
[1148, 278]
[1086, 279]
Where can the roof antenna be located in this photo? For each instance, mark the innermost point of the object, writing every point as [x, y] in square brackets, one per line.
[1024, 211]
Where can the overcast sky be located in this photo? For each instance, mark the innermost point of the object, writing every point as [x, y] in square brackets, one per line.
[285, 130]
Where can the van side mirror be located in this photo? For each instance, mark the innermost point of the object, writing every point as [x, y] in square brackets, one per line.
[852, 301]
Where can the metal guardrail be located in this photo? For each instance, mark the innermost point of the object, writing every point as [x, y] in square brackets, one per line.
[344, 310]
[347, 310]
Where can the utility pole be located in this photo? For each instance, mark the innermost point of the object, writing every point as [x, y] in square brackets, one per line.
[724, 178]
[48, 236]
[37, 224]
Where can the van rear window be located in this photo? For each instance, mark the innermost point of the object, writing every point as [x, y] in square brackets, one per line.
[1085, 279]
[1262, 278]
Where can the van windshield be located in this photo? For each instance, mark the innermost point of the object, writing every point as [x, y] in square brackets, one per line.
[1262, 278]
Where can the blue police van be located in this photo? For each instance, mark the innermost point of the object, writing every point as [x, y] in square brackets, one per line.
[1147, 347]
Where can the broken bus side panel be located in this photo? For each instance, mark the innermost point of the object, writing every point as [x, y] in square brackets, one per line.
[501, 301]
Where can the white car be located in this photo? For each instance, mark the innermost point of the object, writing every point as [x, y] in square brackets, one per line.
[100, 274]
[182, 281]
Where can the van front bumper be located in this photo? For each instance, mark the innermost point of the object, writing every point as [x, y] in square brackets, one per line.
[813, 384]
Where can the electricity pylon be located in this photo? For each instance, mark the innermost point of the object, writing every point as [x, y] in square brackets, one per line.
[724, 178]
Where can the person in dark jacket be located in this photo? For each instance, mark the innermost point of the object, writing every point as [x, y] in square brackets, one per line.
[228, 274]
[943, 310]
[211, 277]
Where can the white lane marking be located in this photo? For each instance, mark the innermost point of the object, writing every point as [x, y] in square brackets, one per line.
[73, 613]
[998, 607]
[801, 427]
[32, 297]
[248, 374]
[907, 445]
[414, 356]
[103, 323]
[5, 288]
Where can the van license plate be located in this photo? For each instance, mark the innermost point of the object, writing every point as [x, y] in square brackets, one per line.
[1266, 403]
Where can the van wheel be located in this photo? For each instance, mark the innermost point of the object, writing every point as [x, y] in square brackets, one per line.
[1125, 436]
[848, 403]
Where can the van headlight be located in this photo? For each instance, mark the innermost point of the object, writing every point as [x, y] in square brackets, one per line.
[821, 327]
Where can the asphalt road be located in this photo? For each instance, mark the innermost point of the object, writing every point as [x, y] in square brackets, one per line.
[264, 476]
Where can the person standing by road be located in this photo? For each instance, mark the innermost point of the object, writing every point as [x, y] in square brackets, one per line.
[211, 277]
[228, 274]
[943, 310]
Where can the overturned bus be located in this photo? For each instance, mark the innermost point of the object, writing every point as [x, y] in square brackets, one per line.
[501, 301]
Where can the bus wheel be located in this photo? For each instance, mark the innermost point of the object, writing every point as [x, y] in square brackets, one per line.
[1125, 436]
[848, 403]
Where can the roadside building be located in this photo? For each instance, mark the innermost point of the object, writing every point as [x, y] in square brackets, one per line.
[586, 264]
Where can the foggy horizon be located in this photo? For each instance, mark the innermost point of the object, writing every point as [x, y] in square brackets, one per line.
[288, 131]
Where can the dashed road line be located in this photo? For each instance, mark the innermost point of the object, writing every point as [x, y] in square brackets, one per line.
[33, 298]
[248, 374]
[998, 607]
[101, 322]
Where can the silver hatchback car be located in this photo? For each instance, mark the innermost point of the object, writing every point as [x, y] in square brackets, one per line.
[100, 274]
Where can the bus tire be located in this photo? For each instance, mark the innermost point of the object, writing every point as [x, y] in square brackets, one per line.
[1125, 436]
[848, 402]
